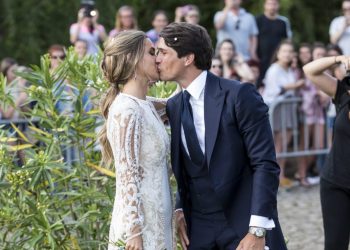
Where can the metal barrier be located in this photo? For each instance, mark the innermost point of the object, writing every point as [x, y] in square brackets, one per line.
[293, 149]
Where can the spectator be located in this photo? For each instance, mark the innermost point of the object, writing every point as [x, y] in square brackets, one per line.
[255, 68]
[339, 30]
[216, 66]
[280, 83]
[234, 66]
[312, 108]
[7, 66]
[88, 29]
[80, 48]
[335, 180]
[234, 23]
[124, 20]
[188, 13]
[273, 28]
[17, 85]
[57, 54]
[160, 20]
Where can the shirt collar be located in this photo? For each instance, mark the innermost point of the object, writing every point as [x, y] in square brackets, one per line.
[197, 85]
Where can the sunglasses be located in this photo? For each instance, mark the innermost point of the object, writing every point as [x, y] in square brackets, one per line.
[216, 66]
[237, 24]
[58, 57]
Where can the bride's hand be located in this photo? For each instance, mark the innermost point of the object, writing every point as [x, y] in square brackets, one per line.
[134, 243]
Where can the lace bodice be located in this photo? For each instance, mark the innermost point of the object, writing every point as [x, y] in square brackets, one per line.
[140, 147]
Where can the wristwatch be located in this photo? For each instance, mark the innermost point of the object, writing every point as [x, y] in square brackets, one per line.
[257, 231]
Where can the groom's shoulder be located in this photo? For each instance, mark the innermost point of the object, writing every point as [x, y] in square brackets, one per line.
[172, 100]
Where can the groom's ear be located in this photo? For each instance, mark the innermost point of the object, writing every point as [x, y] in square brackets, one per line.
[189, 59]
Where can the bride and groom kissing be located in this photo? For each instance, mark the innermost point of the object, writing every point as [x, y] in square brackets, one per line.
[221, 148]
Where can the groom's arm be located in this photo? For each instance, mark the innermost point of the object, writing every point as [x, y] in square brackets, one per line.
[253, 120]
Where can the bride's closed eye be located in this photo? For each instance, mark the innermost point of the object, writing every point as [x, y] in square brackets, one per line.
[152, 52]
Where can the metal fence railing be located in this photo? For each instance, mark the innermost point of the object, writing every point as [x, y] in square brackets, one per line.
[295, 148]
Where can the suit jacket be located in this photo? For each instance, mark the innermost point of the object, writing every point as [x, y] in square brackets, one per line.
[239, 151]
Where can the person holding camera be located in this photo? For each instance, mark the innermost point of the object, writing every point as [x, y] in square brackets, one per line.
[339, 30]
[335, 176]
[88, 29]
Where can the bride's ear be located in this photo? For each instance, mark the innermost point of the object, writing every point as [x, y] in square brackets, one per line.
[189, 59]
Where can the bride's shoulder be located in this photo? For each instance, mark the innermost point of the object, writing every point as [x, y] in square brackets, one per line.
[123, 105]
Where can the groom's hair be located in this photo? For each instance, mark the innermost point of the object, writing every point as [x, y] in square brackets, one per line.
[186, 39]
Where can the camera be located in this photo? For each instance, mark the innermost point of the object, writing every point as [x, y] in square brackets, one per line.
[88, 8]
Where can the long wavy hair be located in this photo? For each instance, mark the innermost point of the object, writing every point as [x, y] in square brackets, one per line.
[118, 23]
[122, 55]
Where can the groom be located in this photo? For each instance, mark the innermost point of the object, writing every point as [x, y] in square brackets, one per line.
[222, 150]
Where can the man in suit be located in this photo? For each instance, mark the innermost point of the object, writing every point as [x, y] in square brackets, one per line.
[222, 150]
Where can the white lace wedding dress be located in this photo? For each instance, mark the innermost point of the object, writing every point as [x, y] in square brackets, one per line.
[141, 152]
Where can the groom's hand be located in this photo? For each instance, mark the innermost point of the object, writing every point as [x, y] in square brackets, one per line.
[251, 242]
[182, 228]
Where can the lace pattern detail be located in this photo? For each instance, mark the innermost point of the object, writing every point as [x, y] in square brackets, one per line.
[141, 151]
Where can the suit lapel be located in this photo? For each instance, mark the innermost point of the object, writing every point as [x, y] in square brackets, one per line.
[214, 98]
[176, 134]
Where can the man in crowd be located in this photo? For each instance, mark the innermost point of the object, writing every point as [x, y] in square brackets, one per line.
[273, 28]
[237, 24]
[339, 30]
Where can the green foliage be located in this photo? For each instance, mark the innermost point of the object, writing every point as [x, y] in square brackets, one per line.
[46, 203]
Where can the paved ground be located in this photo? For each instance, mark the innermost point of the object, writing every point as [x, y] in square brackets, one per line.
[300, 217]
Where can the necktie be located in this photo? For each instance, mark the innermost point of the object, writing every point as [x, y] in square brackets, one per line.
[193, 146]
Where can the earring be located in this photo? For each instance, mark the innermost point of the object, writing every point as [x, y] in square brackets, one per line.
[135, 76]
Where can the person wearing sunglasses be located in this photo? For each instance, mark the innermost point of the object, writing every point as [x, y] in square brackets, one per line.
[235, 23]
[57, 55]
[339, 30]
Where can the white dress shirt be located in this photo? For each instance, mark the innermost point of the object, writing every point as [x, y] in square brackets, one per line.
[196, 90]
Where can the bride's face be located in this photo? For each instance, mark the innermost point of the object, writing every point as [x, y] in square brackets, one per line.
[147, 67]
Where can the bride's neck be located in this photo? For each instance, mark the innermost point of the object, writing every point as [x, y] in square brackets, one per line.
[136, 88]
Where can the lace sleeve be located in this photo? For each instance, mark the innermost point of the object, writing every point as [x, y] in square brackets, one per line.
[130, 173]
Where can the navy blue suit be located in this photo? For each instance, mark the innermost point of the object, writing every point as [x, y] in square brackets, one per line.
[239, 153]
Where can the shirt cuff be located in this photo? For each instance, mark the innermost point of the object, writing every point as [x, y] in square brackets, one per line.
[179, 209]
[260, 221]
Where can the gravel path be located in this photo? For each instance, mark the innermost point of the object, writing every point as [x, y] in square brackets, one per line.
[300, 217]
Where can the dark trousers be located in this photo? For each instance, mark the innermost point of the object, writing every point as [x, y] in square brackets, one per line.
[211, 231]
[335, 202]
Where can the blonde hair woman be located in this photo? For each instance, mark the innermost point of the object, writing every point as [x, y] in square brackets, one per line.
[134, 138]
[124, 20]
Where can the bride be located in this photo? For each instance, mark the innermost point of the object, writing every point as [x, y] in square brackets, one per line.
[134, 138]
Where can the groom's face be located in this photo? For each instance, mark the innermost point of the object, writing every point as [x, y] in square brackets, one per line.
[170, 67]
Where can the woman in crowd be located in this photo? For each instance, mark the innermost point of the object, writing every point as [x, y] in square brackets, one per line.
[335, 177]
[124, 20]
[234, 66]
[216, 66]
[7, 67]
[135, 139]
[87, 28]
[188, 13]
[160, 20]
[281, 82]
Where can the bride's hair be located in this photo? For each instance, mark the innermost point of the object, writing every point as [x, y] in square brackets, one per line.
[122, 54]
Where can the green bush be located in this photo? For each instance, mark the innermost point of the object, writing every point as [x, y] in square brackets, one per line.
[46, 203]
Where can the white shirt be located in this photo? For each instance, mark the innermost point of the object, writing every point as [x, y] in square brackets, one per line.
[344, 41]
[196, 90]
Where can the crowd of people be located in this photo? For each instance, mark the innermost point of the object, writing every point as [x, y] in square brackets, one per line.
[251, 49]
